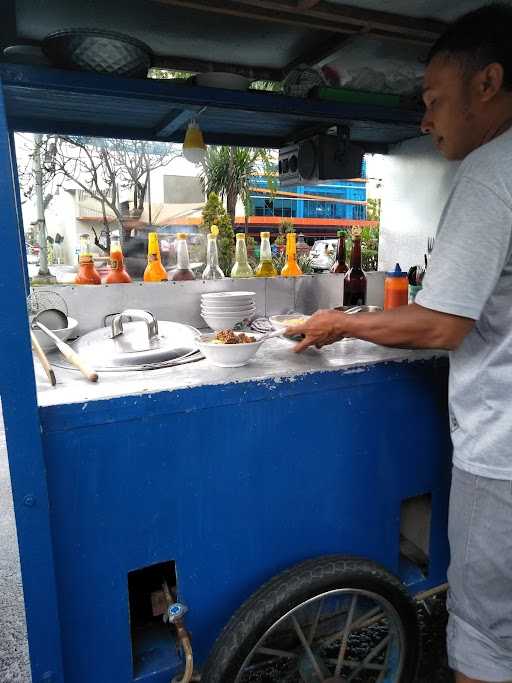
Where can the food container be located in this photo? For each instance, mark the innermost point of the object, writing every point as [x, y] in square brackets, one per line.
[142, 344]
[64, 334]
[281, 322]
[229, 355]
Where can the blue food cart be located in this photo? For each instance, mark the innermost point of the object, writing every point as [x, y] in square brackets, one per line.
[273, 522]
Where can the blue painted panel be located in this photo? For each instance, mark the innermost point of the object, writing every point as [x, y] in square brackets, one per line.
[235, 483]
[22, 429]
[50, 100]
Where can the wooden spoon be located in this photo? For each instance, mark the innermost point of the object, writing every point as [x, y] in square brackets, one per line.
[70, 354]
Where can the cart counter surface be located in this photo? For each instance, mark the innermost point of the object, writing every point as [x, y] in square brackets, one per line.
[275, 363]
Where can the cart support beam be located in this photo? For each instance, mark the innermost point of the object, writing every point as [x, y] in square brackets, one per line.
[23, 435]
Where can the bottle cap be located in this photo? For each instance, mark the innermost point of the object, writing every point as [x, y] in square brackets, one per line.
[340, 233]
[240, 236]
[214, 230]
[265, 235]
[181, 236]
[397, 272]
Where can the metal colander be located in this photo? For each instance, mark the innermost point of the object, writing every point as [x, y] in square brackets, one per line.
[44, 299]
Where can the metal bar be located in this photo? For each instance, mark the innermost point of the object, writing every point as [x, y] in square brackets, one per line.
[423, 29]
[19, 214]
[320, 55]
[430, 593]
[322, 16]
[23, 435]
[164, 91]
[174, 122]
[273, 15]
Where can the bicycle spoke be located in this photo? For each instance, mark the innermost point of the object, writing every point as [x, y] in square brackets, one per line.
[276, 653]
[315, 622]
[307, 648]
[378, 648]
[353, 665]
[344, 639]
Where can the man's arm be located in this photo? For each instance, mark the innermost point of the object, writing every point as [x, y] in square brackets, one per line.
[411, 327]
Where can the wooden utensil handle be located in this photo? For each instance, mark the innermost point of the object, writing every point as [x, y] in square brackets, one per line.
[71, 355]
[43, 359]
[75, 360]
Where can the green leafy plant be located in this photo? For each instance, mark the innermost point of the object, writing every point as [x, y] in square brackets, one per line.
[228, 171]
[215, 214]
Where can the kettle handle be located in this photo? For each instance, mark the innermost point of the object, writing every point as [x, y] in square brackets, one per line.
[135, 314]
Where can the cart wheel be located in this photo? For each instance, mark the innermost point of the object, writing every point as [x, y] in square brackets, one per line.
[330, 619]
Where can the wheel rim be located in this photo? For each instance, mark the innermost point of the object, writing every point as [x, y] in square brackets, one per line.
[340, 636]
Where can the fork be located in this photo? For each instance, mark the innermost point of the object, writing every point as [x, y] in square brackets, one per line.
[430, 245]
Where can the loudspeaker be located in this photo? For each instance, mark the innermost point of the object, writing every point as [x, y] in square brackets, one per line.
[320, 158]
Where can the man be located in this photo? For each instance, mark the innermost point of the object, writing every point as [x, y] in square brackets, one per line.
[466, 307]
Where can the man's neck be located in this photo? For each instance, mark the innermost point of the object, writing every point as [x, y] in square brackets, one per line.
[501, 123]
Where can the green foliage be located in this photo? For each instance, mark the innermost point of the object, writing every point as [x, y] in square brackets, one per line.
[215, 214]
[228, 172]
[369, 248]
[285, 226]
[373, 210]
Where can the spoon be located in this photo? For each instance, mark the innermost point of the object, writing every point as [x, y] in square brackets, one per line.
[70, 354]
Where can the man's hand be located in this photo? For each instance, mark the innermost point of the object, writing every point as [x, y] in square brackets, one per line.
[408, 327]
[322, 328]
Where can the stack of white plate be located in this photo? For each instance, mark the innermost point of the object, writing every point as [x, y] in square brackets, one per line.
[224, 310]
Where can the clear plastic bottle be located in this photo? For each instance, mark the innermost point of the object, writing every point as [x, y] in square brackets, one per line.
[291, 267]
[396, 289]
[212, 270]
[87, 273]
[155, 272]
[241, 267]
[266, 266]
[182, 270]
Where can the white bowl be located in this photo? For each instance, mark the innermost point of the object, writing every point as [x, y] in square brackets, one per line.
[227, 296]
[48, 344]
[225, 321]
[281, 322]
[227, 305]
[228, 311]
[229, 355]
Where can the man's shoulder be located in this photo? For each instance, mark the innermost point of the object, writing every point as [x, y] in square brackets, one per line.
[490, 162]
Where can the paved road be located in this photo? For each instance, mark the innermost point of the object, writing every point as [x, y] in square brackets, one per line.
[14, 666]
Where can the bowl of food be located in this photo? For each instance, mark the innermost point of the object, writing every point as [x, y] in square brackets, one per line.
[48, 344]
[228, 349]
[281, 322]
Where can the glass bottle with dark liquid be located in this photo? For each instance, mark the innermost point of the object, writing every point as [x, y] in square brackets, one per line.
[354, 290]
[340, 264]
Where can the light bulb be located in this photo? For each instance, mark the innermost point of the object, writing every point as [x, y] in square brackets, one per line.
[194, 148]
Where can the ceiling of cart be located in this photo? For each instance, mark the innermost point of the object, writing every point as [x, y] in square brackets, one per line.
[270, 36]
[374, 45]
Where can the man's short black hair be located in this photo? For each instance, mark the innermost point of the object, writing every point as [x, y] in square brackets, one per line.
[480, 38]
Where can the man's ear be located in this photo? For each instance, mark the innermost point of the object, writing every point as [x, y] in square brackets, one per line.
[489, 81]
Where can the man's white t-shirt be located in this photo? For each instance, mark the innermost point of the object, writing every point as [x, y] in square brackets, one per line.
[470, 275]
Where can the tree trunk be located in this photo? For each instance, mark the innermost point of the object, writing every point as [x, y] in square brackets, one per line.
[41, 223]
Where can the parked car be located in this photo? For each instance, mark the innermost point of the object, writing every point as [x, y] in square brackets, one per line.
[322, 254]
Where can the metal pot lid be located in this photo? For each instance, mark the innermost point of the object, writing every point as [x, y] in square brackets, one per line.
[145, 342]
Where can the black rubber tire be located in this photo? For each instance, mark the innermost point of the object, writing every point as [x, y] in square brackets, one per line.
[292, 587]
